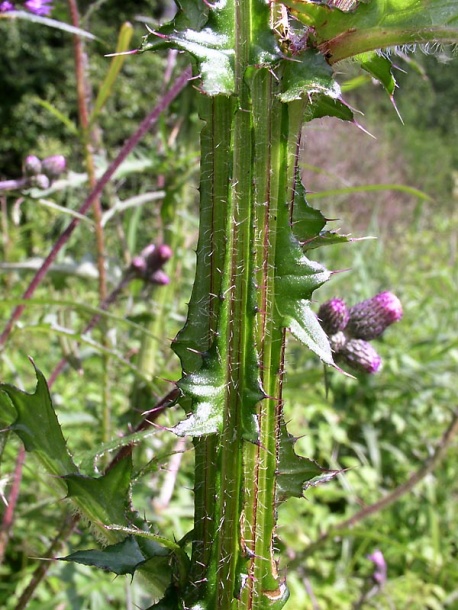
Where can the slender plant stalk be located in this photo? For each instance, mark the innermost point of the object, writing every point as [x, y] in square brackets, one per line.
[6, 528]
[88, 141]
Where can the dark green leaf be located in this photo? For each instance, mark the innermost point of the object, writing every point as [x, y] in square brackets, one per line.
[296, 473]
[105, 499]
[37, 426]
[122, 558]
[376, 25]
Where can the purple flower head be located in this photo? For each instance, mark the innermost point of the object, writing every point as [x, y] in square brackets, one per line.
[41, 8]
[380, 568]
[333, 316]
[360, 356]
[370, 318]
[6, 6]
[54, 166]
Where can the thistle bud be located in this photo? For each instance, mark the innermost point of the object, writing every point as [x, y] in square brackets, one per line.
[54, 166]
[370, 318]
[380, 567]
[147, 266]
[6, 6]
[39, 7]
[337, 342]
[159, 277]
[32, 165]
[333, 316]
[360, 356]
[40, 181]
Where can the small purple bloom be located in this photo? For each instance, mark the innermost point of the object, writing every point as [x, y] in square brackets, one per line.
[41, 8]
[370, 318]
[380, 568]
[333, 316]
[6, 6]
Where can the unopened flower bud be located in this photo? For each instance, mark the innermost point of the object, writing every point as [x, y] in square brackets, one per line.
[32, 165]
[337, 342]
[138, 265]
[54, 166]
[39, 7]
[159, 277]
[370, 318]
[147, 266]
[41, 181]
[333, 316]
[361, 356]
[6, 6]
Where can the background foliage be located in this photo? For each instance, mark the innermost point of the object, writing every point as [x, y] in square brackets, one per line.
[379, 429]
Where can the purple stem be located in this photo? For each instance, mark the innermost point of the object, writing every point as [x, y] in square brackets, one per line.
[13, 185]
[129, 145]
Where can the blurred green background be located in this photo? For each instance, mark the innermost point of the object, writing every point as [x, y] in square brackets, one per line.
[378, 429]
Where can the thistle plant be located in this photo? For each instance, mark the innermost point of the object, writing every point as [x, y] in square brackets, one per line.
[261, 70]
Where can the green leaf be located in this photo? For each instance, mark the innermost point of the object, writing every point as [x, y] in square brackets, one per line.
[380, 68]
[213, 46]
[296, 473]
[122, 558]
[297, 277]
[52, 23]
[207, 390]
[37, 426]
[303, 324]
[328, 238]
[211, 49]
[106, 88]
[105, 499]
[63, 118]
[376, 25]
[307, 222]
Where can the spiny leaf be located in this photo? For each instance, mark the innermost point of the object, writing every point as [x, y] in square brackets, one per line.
[380, 68]
[297, 276]
[327, 238]
[213, 46]
[307, 221]
[296, 473]
[37, 426]
[105, 499]
[303, 324]
[122, 558]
